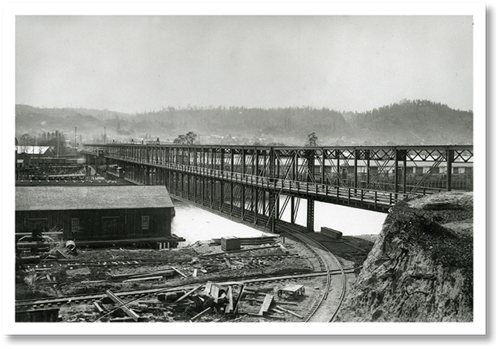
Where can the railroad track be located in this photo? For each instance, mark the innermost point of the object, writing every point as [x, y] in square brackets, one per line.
[326, 261]
[322, 309]
[48, 303]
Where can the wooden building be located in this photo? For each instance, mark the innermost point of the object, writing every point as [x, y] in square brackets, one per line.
[98, 215]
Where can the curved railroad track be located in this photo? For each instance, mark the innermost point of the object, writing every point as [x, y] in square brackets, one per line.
[327, 306]
[324, 308]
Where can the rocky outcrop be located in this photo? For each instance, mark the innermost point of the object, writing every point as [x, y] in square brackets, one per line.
[421, 267]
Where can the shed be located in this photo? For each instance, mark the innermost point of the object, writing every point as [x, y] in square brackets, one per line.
[96, 215]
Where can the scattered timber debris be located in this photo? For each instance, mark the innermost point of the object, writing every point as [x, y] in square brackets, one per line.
[122, 305]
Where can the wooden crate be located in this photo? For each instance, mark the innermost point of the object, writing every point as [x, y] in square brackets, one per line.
[230, 243]
[331, 233]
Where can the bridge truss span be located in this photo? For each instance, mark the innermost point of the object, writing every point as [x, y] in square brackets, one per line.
[257, 183]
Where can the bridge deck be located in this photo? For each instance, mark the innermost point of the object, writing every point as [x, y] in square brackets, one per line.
[247, 182]
[364, 198]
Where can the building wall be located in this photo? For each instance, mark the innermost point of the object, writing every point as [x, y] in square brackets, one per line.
[95, 225]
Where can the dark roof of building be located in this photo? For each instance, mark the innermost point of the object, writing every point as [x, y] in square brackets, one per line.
[91, 198]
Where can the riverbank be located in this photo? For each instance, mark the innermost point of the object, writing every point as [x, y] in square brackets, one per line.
[421, 266]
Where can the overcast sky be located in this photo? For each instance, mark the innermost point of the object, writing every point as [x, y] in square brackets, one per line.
[139, 63]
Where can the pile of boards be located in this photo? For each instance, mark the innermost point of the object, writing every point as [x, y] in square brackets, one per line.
[198, 301]
[248, 241]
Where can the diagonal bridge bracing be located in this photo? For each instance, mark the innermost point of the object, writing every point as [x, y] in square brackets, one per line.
[256, 184]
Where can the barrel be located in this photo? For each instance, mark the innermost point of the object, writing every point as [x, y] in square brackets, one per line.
[70, 245]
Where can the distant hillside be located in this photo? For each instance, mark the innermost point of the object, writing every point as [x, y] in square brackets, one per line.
[30, 119]
[414, 122]
[408, 122]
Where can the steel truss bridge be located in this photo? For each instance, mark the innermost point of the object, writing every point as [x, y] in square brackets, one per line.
[256, 184]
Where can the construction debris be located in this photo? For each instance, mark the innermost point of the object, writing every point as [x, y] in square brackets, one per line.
[98, 307]
[294, 291]
[266, 304]
[188, 293]
[179, 272]
[199, 314]
[161, 273]
[230, 305]
[122, 305]
[198, 286]
[230, 243]
[289, 312]
[170, 296]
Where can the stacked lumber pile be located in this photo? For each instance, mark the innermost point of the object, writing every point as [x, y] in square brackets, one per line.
[230, 243]
[248, 241]
[143, 276]
[34, 248]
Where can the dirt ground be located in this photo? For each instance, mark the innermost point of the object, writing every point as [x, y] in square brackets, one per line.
[125, 270]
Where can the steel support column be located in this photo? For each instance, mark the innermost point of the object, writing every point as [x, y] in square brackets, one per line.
[256, 202]
[242, 202]
[450, 157]
[367, 157]
[221, 168]
[400, 156]
[310, 215]
[396, 172]
[231, 184]
[356, 157]
[272, 196]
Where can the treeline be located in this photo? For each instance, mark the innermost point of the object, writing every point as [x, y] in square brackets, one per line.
[57, 141]
[251, 120]
[51, 139]
[417, 121]
[406, 122]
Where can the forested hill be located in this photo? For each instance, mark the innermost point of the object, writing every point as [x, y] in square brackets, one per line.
[408, 122]
[415, 122]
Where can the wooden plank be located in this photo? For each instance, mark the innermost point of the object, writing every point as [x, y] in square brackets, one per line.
[255, 292]
[214, 292]
[274, 301]
[199, 314]
[262, 289]
[189, 293]
[98, 307]
[277, 311]
[144, 274]
[266, 304]
[144, 279]
[238, 300]
[208, 287]
[230, 305]
[122, 305]
[289, 311]
[180, 272]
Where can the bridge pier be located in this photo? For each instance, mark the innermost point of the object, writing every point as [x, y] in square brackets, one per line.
[310, 215]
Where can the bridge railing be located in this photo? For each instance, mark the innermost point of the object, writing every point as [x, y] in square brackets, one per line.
[286, 186]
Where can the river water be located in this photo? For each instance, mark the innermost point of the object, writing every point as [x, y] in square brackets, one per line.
[194, 223]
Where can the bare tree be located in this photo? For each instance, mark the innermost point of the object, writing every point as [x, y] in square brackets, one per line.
[312, 140]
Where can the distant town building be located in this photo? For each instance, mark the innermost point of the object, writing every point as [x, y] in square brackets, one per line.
[26, 153]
